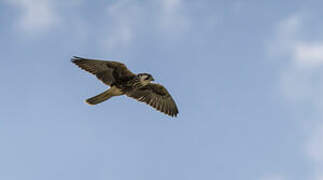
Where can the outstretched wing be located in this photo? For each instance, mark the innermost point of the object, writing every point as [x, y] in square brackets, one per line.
[108, 72]
[156, 96]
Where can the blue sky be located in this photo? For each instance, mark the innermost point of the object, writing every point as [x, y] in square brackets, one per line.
[245, 76]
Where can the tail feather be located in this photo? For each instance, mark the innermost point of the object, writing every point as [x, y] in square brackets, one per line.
[99, 98]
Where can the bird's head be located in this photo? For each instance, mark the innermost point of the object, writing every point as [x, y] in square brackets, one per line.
[145, 78]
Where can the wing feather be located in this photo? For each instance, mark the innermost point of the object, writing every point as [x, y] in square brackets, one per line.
[108, 72]
[157, 97]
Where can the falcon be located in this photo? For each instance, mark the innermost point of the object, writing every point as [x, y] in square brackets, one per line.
[123, 82]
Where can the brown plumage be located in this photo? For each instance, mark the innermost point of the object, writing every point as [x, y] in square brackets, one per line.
[123, 82]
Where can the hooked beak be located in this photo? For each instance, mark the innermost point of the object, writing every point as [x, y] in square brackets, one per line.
[152, 79]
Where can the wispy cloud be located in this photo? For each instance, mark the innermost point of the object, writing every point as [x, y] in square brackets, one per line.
[315, 150]
[172, 16]
[123, 19]
[315, 146]
[128, 18]
[299, 80]
[285, 37]
[288, 41]
[36, 15]
[303, 58]
[309, 54]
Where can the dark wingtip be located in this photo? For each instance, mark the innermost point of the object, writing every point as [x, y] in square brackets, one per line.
[173, 115]
[75, 58]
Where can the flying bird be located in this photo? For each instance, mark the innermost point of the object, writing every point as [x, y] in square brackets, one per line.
[123, 82]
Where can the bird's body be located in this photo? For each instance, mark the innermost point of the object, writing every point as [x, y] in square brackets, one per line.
[123, 82]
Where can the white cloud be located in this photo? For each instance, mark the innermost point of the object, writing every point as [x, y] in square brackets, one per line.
[309, 54]
[300, 81]
[284, 40]
[303, 57]
[290, 26]
[123, 17]
[36, 15]
[315, 146]
[315, 150]
[288, 41]
[172, 17]
[126, 18]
